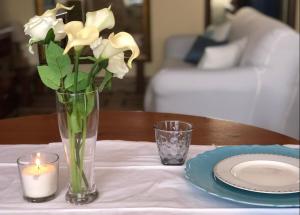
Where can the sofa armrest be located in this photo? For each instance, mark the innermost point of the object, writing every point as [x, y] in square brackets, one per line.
[178, 46]
[168, 82]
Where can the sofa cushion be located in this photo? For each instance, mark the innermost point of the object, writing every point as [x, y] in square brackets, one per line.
[223, 57]
[198, 48]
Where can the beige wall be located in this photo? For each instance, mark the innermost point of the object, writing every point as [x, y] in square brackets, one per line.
[297, 16]
[219, 13]
[16, 10]
[172, 17]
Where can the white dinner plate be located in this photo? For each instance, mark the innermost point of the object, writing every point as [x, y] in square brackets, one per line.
[263, 173]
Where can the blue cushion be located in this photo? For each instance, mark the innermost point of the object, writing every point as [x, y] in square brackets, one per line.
[196, 52]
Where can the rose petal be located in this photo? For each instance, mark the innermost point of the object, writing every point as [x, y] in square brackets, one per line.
[101, 19]
[117, 66]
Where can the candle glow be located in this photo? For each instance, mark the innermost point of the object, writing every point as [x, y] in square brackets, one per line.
[39, 178]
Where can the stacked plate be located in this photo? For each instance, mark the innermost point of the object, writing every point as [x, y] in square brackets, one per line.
[255, 175]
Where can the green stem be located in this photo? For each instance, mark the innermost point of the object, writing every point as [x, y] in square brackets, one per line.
[97, 67]
[94, 69]
[92, 59]
[82, 148]
[75, 184]
[76, 70]
[75, 145]
[107, 78]
[78, 129]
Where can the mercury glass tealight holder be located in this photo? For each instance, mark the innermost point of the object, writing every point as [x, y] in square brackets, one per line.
[39, 176]
[173, 139]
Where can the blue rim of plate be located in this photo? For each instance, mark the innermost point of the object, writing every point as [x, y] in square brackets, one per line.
[199, 172]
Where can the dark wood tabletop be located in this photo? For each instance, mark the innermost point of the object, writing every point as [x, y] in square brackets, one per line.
[138, 126]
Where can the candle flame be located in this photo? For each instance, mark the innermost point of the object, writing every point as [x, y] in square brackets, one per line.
[38, 161]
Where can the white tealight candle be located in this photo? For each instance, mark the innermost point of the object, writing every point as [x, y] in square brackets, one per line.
[39, 180]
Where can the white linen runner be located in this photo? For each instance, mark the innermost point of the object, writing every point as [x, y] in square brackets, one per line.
[130, 180]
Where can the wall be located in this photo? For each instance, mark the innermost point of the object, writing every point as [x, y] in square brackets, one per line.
[172, 17]
[17, 11]
[297, 26]
[219, 12]
[168, 17]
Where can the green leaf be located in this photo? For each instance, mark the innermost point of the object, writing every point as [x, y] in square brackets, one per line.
[57, 60]
[76, 122]
[49, 37]
[106, 80]
[82, 81]
[49, 77]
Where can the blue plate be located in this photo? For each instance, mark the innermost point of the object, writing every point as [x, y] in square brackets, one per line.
[199, 171]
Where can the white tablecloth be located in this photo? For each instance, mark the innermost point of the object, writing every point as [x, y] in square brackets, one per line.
[130, 180]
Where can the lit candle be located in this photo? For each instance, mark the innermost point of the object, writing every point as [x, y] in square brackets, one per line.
[39, 178]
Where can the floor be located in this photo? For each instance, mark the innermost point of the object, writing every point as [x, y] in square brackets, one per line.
[122, 97]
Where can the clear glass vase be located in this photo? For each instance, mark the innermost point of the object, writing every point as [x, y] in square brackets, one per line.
[78, 116]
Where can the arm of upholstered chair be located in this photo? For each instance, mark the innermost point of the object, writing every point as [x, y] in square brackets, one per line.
[228, 94]
[178, 46]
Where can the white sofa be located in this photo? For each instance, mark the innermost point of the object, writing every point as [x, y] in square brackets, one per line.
[262, 91]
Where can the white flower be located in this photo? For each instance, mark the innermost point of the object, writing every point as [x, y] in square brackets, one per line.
[59, 30]
[38, 26]
[117, 66]
[79, 36]
[101, 19]
[115, 45]
[98, 46]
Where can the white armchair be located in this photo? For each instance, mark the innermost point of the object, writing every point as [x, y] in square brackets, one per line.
[262, 91]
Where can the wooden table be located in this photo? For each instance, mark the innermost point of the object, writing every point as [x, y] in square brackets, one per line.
[138, 126]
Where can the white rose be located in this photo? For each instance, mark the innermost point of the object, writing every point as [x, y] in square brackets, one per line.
[38, 26]
[102, 48]
[98, 46]
[117, 66]
[59, 30]
[116, 63]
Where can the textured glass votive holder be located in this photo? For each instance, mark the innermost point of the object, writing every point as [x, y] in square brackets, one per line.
[173, 139]
[39, 176]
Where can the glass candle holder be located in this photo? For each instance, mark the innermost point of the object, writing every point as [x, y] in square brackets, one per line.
[39, 176]
[173, 139]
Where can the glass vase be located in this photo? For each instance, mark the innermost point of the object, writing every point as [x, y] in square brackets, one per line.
[78, 116]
